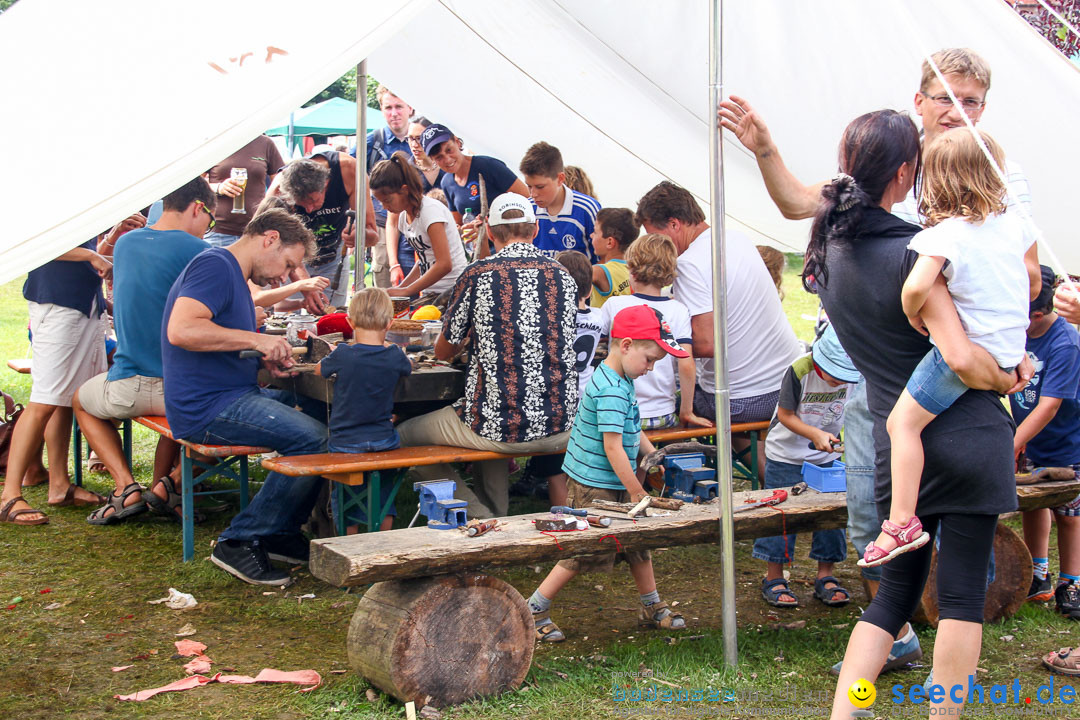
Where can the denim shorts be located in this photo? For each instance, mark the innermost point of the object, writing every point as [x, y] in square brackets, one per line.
[826, 545]
[934, 385]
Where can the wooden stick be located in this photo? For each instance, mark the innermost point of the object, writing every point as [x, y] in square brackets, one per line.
[640, 507]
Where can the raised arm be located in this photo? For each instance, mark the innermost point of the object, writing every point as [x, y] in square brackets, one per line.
[792, 197]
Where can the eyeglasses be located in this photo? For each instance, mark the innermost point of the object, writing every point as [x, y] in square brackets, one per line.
[970, 105]
[202, 206]
[413, 139]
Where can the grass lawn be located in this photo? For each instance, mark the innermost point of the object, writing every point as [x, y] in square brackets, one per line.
[57, 662]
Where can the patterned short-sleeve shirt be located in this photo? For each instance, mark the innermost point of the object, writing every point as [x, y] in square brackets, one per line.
[518, 308]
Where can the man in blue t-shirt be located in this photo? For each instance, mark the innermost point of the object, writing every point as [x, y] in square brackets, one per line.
[146, 262]
[566, 216]
[211, 394]
[1047, 413]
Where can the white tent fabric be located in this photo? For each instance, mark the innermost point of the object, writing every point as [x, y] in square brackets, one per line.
[128, 97]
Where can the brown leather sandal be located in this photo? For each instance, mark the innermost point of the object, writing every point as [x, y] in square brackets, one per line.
[7, 515]
[120, 511]
[71, 501]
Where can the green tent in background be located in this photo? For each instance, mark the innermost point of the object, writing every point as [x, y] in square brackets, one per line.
[336, 116]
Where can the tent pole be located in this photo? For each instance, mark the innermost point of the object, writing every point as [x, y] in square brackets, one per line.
[723, 411]
[290, 138]
[361, 175]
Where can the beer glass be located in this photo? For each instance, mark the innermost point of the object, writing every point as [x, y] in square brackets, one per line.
[239, 176]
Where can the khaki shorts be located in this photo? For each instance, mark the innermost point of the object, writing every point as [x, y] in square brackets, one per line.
[127, 398]
[581, 496]
[69, 349]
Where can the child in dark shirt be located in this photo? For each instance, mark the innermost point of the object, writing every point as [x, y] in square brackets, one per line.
[366, 373]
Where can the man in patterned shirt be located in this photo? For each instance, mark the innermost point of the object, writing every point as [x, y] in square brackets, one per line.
[518, 309]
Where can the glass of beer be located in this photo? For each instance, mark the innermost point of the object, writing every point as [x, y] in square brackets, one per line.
[239, 176]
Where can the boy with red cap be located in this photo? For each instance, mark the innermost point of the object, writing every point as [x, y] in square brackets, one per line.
[601, 456]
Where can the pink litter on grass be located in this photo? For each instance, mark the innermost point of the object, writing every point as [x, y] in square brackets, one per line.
[188, 648]
[201, 664]
[267, 675]
[121, 668]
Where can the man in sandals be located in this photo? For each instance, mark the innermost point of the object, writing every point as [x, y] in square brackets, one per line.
[605, 442]
[146, 263]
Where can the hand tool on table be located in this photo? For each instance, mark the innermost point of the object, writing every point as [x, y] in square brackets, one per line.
[476, 528]
[778, 496]
[597, 519]
[350, 218]
[438, 505]
[313, 350]
[799, 488]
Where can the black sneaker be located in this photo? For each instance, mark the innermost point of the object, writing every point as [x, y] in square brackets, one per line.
[247, 561]
[292, 549]
[1041, 590]
[1067, 599]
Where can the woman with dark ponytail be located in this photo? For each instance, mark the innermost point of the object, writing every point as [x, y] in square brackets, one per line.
[857, 260]
[425, 223]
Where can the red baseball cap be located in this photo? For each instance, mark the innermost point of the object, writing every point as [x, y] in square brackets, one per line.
[642, 322]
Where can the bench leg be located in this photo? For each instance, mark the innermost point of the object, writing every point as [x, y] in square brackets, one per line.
[127, 441]
[755, 471]
[339, 507]
[243, 482]
[374, 517]
[76, 450]
[188, 504]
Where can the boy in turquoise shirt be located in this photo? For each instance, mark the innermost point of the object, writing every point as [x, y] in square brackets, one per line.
[601, 457]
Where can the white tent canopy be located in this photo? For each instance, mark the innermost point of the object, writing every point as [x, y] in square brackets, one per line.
[136, 98]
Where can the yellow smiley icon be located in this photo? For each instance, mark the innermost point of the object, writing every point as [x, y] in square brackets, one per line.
[862, 693]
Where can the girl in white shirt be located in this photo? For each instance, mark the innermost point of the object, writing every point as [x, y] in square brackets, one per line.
[425, 223]
[989, 260]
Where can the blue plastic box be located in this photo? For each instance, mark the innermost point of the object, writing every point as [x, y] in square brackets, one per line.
[826, 479]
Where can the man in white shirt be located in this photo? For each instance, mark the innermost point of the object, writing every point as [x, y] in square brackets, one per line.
[760, 342]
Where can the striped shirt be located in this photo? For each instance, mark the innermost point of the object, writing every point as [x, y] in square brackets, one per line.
[609, 406]
[519, 309]
[570, 228]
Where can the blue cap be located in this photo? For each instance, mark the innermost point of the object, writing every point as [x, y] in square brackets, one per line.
[830, 356]
[434, 135]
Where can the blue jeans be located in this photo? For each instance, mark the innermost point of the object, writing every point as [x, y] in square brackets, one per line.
[217, 239]
[827, 546]
[863, 523]
[391, 443]
[268, 418]
[934, 385]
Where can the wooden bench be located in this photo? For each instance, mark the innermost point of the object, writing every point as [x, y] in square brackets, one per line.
[24, 367]
[430, 584]
[225, 456]
[363, 471]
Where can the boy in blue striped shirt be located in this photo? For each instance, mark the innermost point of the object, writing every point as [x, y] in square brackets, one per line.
[566, 217]
[601, 457]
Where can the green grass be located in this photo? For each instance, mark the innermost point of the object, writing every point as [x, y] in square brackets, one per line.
[56, 663]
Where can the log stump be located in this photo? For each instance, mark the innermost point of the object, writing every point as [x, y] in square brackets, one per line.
[442, 640]
[1012, 576]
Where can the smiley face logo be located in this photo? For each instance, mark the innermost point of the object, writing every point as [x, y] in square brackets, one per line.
[862, 693]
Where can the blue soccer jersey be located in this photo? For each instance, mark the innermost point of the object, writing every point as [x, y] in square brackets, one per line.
[571, 228]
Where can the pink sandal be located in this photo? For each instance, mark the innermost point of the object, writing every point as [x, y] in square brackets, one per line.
[909, 537]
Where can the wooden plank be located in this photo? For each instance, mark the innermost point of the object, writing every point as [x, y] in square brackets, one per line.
[419, 552]
[160, 425]
[20, 366]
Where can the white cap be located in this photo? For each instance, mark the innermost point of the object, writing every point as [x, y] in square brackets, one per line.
[510, 201]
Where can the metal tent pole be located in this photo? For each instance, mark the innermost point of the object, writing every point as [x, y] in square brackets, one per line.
[361, 176]
[723, 411]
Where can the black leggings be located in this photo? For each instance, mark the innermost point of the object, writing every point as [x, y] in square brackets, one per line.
[966, 542]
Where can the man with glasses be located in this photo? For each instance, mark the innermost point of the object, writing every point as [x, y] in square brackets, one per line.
[146, 262]
[968, 76]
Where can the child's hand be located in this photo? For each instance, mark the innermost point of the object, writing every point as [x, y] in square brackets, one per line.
[917, 323]
[824, 441]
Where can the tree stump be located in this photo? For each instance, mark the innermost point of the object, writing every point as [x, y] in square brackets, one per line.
[442, 640]
[1012, 576]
